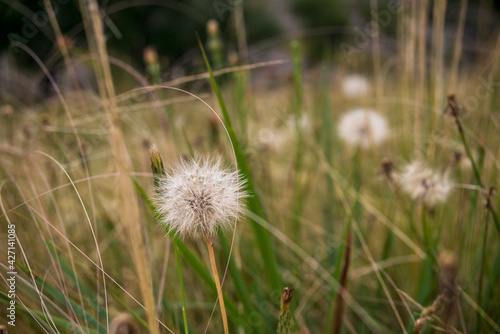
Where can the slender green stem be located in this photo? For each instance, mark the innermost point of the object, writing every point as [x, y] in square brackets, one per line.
[242, 103]
[179, 271]
[326, 141]
[483, 260]
[426, 231]
[476, 170]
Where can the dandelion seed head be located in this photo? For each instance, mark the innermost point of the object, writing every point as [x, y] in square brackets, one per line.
[423, 184]
[305, 123]
[198, 196]
[271, 138]
[363, 127]
[355, 85]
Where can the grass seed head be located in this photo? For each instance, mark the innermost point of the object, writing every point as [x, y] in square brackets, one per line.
[363, 127]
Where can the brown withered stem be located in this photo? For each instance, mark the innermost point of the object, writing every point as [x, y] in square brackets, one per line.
[447, 285]
[339, 300]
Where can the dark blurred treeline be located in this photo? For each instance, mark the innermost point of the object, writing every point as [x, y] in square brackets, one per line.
[170, 26]
[132, 25]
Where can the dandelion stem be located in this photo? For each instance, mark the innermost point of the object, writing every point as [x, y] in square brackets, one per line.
[217, 282]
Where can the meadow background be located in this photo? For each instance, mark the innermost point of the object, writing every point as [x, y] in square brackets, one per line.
[86, 89]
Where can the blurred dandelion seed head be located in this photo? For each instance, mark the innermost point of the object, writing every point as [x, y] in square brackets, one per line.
[212, 27]
[355, 85]
[423, 184]
[305, 123]
[199, 196]
[363, 127]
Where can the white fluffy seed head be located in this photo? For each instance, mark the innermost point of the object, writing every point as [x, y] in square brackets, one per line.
[354, 86]
[423, 184]
[363, 128]
[198, 196]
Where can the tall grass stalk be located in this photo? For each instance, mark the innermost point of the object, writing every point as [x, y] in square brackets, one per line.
[297, 111]
[129, 213]
[240, 78]
[326, 141]
[420, 91]
[376, 59]
[241, 33]
[61, 43]
[457, 47]
[436, 73]
[427, 233]
[92, 224]
[407, 41]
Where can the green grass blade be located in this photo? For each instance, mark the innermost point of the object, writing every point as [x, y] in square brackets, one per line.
[254, 203]
[49, 290]
[85, 290]
[239, 283]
